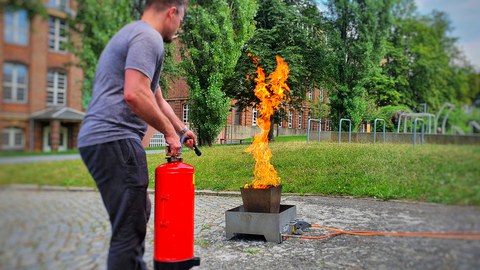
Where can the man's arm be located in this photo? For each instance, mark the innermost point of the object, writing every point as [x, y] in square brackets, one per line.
[177, 123]
[141, 100]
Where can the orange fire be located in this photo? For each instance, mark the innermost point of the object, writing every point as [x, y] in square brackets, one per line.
[271, 91]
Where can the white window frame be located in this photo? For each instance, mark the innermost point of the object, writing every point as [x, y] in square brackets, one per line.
[320, 98]
[254, 117]
[54, 90]
[59, 4]
[158, 139]
[57, 36]
[290, 119]
[15, 85]
[300, 116]
[328, 123]
[237, 116]
[15, 32]
[185, 113]
[11, 143]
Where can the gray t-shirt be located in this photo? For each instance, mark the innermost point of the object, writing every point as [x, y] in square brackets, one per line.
[108, 118]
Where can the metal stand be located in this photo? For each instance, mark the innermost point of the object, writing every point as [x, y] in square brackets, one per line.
[270, 225]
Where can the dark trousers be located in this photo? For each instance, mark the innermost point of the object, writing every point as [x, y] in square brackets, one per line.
[121, 174]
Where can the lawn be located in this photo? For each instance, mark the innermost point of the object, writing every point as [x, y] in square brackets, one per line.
[434, 173]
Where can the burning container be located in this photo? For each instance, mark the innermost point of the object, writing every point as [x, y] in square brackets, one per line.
[261, 200]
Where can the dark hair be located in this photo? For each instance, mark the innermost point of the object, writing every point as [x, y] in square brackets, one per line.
[162, 4]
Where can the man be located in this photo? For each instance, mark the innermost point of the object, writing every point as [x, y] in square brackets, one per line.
[126, 97]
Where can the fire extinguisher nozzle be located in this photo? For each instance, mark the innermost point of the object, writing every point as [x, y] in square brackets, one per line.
[197, 151]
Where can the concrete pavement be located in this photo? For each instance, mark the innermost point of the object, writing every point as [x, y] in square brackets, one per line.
[61, 229]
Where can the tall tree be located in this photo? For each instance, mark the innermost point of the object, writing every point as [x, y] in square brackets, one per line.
[357, 31]
[423, 61]
[291, 29]
[212, 38]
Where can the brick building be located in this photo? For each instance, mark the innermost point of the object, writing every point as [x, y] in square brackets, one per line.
[41, 101]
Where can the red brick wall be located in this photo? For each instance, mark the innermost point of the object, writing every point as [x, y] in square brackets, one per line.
[38, 60]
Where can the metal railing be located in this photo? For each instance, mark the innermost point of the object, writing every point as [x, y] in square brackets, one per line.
[450, 107]
[319, 128]
[407, 115]
[349, 130]
[415, 131]
[375, 130]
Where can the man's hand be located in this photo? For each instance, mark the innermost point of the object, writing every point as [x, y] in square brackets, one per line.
[191, 139]
[173, 142]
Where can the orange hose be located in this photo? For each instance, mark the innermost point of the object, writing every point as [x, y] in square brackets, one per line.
[442, 235]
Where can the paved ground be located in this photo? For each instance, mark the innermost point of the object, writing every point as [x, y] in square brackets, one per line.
[69, 230]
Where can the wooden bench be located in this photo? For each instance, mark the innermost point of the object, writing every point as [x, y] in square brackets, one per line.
[225, 140]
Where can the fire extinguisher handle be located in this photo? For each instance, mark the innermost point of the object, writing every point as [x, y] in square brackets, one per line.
[195, 148]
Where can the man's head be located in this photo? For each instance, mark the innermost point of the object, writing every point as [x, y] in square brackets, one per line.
[172, 14]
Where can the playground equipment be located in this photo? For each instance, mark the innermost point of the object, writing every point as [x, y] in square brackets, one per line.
[449, 107]
[309, 128]
[349, 130]
[375, 130]
[415, 131]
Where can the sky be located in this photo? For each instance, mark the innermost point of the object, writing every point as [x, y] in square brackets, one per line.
[464, 18]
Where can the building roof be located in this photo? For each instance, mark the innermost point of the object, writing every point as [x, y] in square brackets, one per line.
[59, 113]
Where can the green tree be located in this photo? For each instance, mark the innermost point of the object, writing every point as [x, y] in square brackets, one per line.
[95, 23]
[422, 61]
[291, 29]
[357, 32]
[474, 85]
[212, 38]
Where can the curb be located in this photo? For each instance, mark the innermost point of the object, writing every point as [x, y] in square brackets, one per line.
[28, 187]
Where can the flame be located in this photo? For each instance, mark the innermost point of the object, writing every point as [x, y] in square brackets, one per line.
[271, 91]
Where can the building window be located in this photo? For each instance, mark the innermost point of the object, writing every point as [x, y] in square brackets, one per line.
[320, 98]
[13, 139]
[310, 92]
[16, 27]
[58, 4]
[15, 83]
[328, 125]
[254, 117]
[290, 119]
[56, 88]
[238, 116]
[300, 119]
[185, 113]
[57, 34]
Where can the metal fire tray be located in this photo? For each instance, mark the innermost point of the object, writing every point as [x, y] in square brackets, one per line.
[270, 225]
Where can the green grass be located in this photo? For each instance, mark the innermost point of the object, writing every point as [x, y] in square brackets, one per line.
[434, 173]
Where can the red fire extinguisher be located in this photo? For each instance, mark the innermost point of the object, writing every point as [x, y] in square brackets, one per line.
[174, 214]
